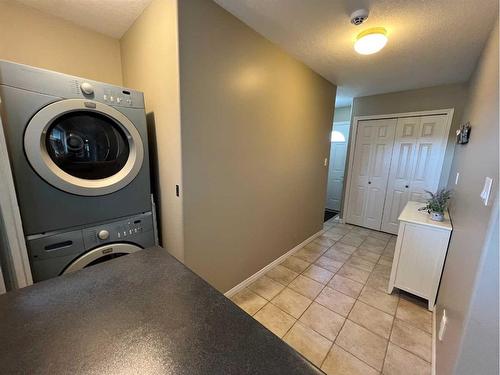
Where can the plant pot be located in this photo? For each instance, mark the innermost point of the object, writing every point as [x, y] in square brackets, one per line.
[437, 216]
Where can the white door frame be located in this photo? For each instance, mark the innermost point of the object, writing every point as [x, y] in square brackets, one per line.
[352, 142]
[16, 252]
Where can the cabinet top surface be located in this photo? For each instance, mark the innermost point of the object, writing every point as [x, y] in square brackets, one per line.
[411, 214]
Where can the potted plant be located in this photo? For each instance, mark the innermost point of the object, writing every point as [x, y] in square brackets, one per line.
[437, 203]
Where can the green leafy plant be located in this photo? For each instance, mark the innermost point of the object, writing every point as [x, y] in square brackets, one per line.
[438, 201]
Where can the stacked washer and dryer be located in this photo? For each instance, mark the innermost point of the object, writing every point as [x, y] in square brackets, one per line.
[79, 156]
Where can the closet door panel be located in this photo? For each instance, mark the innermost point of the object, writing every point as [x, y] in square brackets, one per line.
[430, 148]
[361, 168]
[383, 139]
[398, 191]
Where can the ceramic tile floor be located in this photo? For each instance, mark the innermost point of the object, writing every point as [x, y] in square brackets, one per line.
[329, 302]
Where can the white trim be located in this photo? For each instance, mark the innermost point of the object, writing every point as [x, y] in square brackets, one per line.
[433, 358]
[17, 255]
[274, 263]
[352, 141]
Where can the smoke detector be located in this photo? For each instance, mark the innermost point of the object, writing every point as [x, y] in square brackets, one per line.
[359, 16]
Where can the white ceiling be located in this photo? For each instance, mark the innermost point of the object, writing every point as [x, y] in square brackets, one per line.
[431, 42]
[109, 17]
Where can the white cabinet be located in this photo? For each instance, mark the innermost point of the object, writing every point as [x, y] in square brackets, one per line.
[420, 252]
[372, 160]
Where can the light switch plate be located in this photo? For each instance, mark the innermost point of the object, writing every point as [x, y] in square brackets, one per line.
[485, 194]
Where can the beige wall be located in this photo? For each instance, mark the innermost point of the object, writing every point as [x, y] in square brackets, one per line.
[30, 37]
[255, 133]
[342, 114]
[150, 63]
[464, 270]
[430, 98]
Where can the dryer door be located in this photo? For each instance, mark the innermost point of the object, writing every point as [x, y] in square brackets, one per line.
[83, 147]
[101, 254]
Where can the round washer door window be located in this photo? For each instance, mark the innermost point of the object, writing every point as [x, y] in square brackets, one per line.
[83, 147]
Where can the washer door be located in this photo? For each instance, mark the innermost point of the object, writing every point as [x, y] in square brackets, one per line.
[83, 147]
[101, 254]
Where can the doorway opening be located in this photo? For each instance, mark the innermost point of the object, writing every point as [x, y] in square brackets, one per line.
[339, 140]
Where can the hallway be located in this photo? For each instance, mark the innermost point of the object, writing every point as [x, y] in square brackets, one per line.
[329, 302]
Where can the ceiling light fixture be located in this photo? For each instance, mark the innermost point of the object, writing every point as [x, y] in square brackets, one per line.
[371, 41]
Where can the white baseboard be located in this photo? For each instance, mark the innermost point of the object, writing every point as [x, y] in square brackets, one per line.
[434, 328]
[274, 263]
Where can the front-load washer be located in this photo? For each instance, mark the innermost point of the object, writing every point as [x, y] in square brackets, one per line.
[78, 148]
[57, 253]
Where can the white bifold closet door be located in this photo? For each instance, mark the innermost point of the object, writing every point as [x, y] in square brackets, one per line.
[417, 160]
[372, 160]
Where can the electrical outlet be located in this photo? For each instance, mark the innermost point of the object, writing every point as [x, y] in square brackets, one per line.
[442, 326]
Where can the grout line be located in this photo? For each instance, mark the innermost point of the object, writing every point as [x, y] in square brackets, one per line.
[390, 335]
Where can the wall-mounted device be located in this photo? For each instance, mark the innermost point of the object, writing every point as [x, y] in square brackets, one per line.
[463, 134]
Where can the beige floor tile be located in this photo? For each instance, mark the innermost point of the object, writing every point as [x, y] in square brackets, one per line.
[414, 314]
[412, 339]
[295, 264]
[340, 362]
[371, 318]
[274, 319]
[310, 344]
[381, 300]
[337, 255]
[325, 241]
[306, 286]
[329, 264]
[332, 235]
[347, 286]
[367, 255]
[339, 230]
[362, 343]
[348, 249]
[363, 231]
[353, 239]
[379, 282]
[323, 320]
[361, 263]
[381, 235]
[383, 269]
[373, 241]
[399, 361]
[248, 301]
[292, 302]
[354, 273]
[318, 274]
[282, 274]
[335, 301]
[385, 261]
[310, 252]
[266, 287]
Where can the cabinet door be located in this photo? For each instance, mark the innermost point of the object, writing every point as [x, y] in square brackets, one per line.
[372, 158]
[398, 187]
[429, 154]
[421, 259]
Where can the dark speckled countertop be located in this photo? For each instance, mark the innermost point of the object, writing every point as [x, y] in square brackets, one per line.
[143, 313]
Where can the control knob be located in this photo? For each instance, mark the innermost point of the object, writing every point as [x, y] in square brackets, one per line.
[103, 234]
[87, 88]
